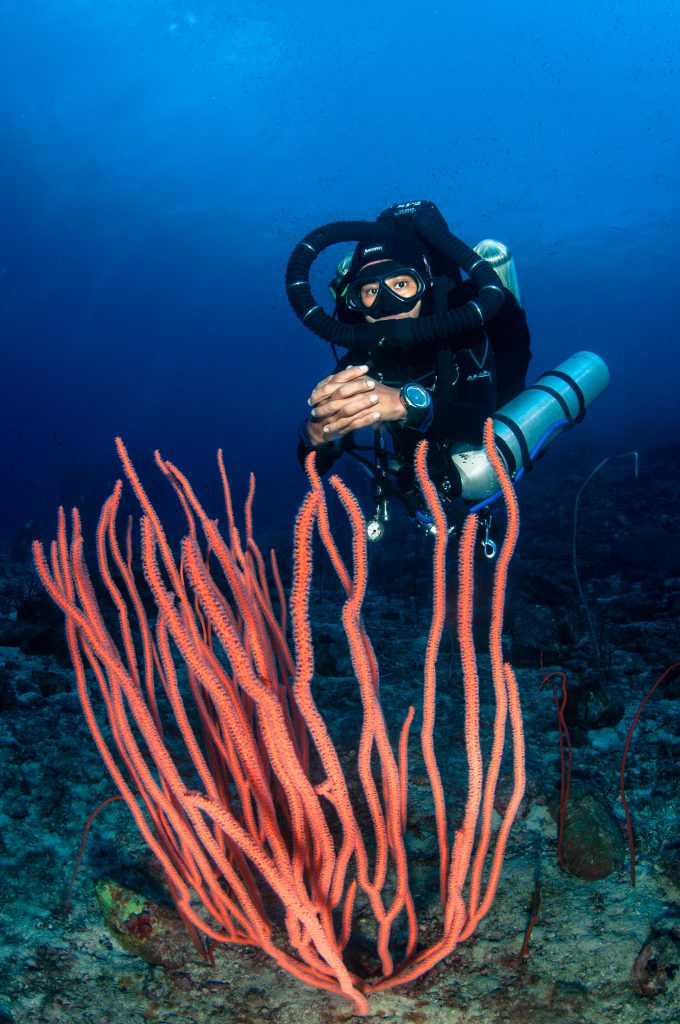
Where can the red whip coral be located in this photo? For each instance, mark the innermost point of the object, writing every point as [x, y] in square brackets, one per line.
[263, 812]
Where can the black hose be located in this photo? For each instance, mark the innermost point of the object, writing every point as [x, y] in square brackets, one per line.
[393, 333]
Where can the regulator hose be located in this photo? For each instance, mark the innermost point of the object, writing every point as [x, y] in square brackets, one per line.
[392, 333]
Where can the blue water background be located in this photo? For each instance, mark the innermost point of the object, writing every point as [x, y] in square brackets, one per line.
[160, 160]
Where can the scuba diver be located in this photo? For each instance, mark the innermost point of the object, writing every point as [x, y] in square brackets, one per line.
[442, 389]
[437, 342]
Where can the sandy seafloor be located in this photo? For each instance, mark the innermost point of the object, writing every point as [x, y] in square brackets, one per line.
[588, 934]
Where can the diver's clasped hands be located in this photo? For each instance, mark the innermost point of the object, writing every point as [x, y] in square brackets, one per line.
[350, 400]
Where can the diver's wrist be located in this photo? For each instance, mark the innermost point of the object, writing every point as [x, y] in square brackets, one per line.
[312, 435]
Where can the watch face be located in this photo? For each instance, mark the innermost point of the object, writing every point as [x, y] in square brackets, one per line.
[417, 396]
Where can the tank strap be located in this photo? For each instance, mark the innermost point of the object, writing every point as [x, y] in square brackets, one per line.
[505, 450]
[554, 394]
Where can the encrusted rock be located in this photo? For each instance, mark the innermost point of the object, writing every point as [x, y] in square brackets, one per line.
[657, 966]
[142, 927]
[592, 844]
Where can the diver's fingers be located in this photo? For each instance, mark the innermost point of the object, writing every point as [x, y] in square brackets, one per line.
[346, 424]
[335, 398]
[326, 387]
[340, 407]
[351, 415]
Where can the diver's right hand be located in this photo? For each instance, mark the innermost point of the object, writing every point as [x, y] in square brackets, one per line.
[340, 403]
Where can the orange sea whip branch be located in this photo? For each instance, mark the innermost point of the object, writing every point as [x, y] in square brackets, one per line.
[290, 892]
[190, 844]
[175, 576]
[367, 675]
[430, 671]
[329, 952]
[507, 697]
[191, 646]
[80, 633]
[150, 512]
[455, 910]
[200, 877]
[281, 835]
[270, 720]
[299, 795]
[324, 525]
[206, 668]
[387, 823]
[403, 763]
[262, 632]
[106, 535]
[461, 922]
[194, 566]
[334, 555]
[250, 592]
[124, 565]
[454, 904]
[304, 670]
[265, 865]
[515, 712]
[301, 799]
[237, 570]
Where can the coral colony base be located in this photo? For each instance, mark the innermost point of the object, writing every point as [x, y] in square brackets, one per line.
[206, 720]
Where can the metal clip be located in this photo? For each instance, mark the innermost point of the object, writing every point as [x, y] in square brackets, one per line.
[489, 546]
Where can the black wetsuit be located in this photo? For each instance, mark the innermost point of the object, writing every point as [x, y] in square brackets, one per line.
[469, 378]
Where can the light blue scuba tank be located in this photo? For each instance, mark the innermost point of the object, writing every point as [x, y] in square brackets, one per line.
[530, 421]
[501, 259]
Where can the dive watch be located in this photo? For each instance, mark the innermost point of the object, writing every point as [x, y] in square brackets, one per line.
[416, 400]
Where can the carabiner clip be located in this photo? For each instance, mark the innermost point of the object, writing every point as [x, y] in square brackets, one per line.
[489, 546]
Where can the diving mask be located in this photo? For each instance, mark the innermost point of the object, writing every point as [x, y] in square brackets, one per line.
[384, 289]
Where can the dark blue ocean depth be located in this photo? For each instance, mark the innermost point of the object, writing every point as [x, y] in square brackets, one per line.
[159, 161]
